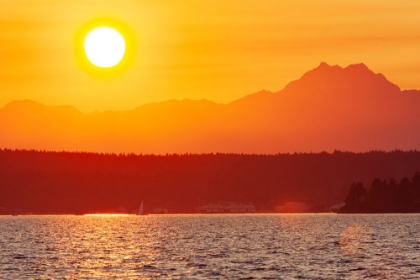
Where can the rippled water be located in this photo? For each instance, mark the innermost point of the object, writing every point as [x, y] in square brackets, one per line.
[211, 246]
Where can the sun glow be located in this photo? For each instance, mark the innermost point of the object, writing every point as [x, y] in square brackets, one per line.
[104, 47]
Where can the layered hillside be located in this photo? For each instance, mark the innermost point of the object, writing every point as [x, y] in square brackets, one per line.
[328, 108]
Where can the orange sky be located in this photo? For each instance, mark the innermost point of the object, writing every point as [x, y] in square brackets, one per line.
[216, 50]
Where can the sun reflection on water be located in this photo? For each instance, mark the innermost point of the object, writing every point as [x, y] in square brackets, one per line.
[108, 215]
[355, 240]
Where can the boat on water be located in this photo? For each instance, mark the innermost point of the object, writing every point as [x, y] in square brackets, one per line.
[293, 207]
[337, 207]
[160, 211]
[212, 208]
[239, 208]
[141, 209]
[229, 208]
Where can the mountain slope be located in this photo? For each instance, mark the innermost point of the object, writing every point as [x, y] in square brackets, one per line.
[328, 108]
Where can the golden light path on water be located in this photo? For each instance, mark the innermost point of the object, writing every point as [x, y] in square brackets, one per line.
[106, 215]
[354, 240]
[291, 246]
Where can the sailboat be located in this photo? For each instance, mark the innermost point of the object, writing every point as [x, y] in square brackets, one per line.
[141, 209]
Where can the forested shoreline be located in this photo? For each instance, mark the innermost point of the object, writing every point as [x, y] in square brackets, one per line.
[385, 196]
[44, 182]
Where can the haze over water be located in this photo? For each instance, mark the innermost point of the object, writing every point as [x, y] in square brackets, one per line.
[321, 246]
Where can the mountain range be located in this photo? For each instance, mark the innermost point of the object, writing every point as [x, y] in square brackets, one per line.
[328, 108]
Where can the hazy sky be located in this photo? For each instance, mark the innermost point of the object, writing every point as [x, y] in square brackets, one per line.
[218, 50]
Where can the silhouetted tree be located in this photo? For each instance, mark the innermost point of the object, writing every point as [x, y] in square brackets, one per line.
[385, 196]
[404, 191]
[377, 189]
[357, 194]
[74, 182]
[416, 185]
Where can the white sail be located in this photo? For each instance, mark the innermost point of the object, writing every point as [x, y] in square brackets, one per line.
[141, 208]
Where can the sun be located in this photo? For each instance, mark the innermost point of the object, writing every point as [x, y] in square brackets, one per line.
[104, 47]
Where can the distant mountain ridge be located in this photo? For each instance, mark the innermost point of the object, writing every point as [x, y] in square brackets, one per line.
[328, 108]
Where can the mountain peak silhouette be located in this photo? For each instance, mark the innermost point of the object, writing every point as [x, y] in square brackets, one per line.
[358, 67]
[330, 71]
[22, 103]
[336, 79]
[27, 106]
[328, 108]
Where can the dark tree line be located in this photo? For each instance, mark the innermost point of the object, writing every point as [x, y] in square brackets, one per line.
[385, 196]
[70, 182]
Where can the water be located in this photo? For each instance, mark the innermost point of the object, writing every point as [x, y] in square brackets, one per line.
[307, 246]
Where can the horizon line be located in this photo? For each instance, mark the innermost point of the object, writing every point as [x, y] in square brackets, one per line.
[336, 151]
[321, 65]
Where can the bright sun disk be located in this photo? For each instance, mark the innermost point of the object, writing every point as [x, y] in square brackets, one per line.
[104, 47]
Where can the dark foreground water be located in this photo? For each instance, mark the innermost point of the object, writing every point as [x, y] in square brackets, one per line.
[211, 246]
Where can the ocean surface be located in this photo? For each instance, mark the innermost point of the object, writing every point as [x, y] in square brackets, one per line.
[249, 246]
